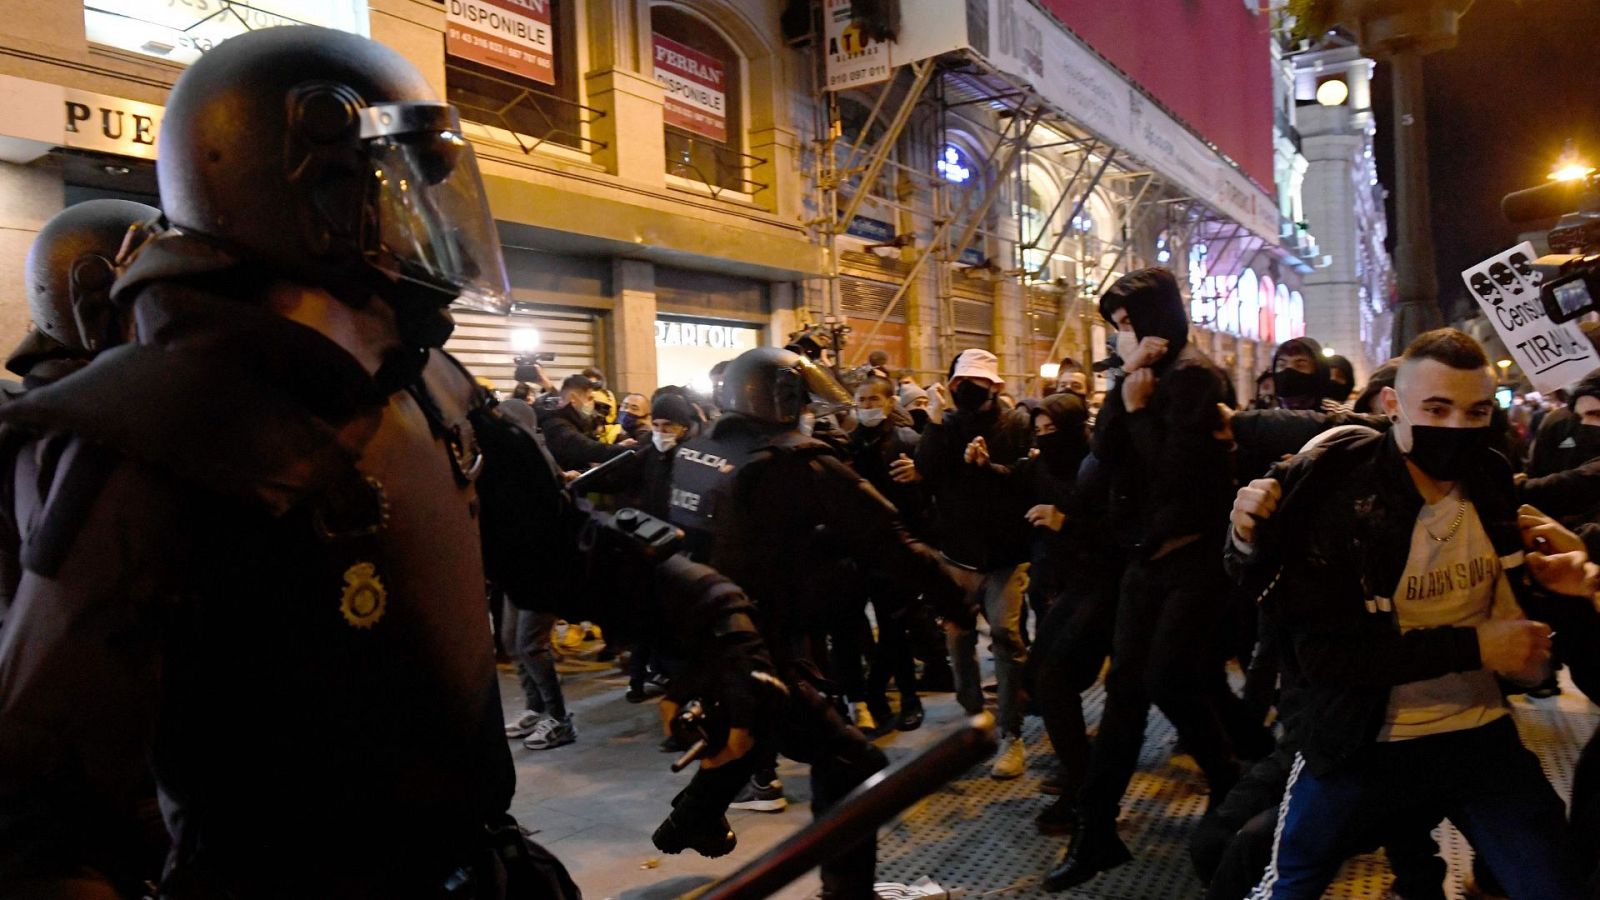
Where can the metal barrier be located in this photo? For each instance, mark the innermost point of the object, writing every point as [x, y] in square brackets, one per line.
[860, 815]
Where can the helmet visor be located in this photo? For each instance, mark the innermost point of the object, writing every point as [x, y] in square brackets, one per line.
[432, 223]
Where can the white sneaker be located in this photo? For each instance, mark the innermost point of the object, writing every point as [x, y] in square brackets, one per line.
[551, 733]
[864, 719]
[523, 724]
[1011, 759]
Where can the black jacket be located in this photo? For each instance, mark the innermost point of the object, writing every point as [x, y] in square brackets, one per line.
[1171, 477]
[567, 436]
[1266, 436]
[872, 450]
[970, 524]
[1327, 562]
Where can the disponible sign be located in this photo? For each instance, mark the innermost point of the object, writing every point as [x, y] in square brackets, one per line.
[510, 35]
[696, 86]
[1506, 287]
[853, 58]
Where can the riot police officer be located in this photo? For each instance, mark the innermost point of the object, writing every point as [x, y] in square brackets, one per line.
[753, 495]
[69, 272]
[273, 600]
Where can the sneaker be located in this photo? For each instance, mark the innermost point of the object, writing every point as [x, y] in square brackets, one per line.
[909, 719]
[1011, 759]
[635, 694]
[1059, 818]
[760, 797]
[524, 724]
[550, 733]
[865, 720]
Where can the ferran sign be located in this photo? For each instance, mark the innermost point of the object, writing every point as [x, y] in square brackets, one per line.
[696, 86]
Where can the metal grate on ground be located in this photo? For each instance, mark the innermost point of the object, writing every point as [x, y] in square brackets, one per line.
[976, 837]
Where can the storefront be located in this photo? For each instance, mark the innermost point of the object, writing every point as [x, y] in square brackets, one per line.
[687, 348]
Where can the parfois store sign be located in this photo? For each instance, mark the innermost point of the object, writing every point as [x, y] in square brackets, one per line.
[696, 86]
[510, 35]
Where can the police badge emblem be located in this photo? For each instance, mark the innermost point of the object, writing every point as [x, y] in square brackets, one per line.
[364, 596]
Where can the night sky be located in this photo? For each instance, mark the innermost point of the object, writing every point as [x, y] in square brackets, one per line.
[1522, 80]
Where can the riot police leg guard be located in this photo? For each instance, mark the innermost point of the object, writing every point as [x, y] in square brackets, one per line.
[841, 757]
[698, 820]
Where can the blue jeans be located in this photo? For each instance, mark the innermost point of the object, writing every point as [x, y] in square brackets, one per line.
[1002, 596]
[1482, 779]
[536, 661]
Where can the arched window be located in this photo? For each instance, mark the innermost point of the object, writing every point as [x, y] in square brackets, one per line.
[527, 96]
[703, 74]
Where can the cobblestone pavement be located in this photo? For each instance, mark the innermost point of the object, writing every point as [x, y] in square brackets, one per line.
[594, 803]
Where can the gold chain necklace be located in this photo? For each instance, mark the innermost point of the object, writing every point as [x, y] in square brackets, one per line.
[1461, 516]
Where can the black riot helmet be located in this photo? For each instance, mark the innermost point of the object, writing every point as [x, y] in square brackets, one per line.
[775, 386]
[71, 267]
[328, 157]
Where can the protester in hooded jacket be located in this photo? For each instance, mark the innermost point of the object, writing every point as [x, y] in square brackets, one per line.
[1341, 379]
[1171, 488]
[913, 401]
[1567, 438]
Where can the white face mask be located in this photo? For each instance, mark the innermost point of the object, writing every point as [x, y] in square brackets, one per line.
[663, 441]
[808, 423]
[1127, 346]
[585, 409]
[871, 418]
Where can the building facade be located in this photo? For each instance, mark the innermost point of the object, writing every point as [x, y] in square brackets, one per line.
[1348, 300]
[675, 180]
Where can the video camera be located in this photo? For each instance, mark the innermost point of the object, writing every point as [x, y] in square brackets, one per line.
[1568, 278]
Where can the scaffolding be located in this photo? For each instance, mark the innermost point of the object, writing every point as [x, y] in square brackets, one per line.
[955, 240]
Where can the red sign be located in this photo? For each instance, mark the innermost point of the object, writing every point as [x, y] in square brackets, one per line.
[1209, 63]
[696, 86]
[510, 35]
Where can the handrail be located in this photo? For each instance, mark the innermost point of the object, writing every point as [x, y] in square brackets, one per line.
[861, 814]
[475, 113]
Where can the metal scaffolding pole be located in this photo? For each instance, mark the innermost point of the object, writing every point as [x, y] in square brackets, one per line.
[1011, 149]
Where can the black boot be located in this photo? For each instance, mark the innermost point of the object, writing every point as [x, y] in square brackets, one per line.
[708, 838]
[1095, 849]
[1059, 818]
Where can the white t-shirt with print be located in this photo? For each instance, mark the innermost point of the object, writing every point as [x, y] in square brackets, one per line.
[1456, 582]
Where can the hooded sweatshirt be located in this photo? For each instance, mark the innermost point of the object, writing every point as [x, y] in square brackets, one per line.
[1300, 390]
[1171, 477]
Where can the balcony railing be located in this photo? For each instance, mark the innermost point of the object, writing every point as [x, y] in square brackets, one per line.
[730, 167]
[524, 113]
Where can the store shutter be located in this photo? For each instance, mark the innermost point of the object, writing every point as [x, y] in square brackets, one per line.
[482, 341]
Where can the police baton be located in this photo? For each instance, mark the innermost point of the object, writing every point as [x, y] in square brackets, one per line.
[860, 815]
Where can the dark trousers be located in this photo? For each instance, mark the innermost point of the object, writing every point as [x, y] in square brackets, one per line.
[1163, 648]
[891, 658]
[1073, 642]
[849, 647]
[1482, 779]
[1586, 815]
[811, 730]
[536, 661]
[1232, 846]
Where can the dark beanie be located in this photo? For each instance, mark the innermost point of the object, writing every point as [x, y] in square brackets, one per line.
[1588, 386]
[673, 407]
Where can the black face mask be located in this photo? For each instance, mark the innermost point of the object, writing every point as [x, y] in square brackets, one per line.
[1445, 453]
[1588, 441]
[919, 419]
[1061, 451]
[969, 396]
[1339, 393]
[1295, 390]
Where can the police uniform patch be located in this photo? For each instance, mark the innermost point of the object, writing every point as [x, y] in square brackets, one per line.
[364, 596]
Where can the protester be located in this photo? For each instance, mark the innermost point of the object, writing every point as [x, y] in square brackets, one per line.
[978, 531]
[1171, 482]
[568, 426]
[1398, 586]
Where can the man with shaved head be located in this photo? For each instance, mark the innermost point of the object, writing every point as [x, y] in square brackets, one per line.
[1391, 569]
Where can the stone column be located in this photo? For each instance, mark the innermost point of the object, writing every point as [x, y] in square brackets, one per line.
[633, 324]
[632, 127]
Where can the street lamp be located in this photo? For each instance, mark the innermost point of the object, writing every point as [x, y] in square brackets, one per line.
[1049, 371]
[1504, 364]
[1333, 92]
[1329, 352]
